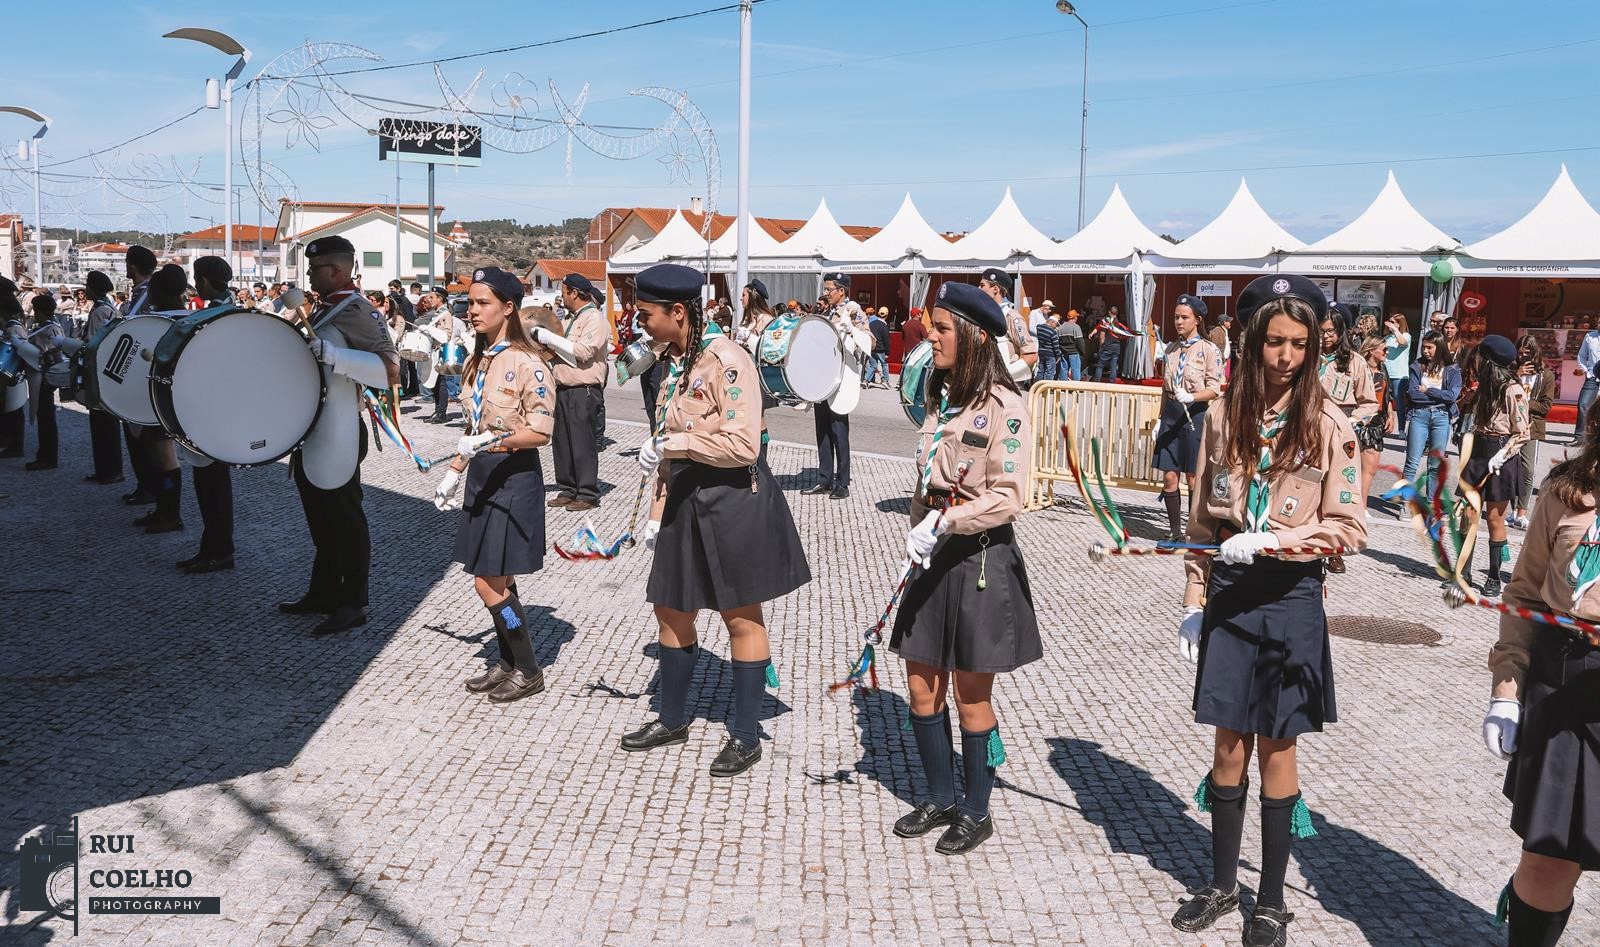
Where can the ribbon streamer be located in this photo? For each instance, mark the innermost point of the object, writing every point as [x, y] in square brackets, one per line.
[383, 420]
[1456, 597]
[1107, 515]
[1099, 552]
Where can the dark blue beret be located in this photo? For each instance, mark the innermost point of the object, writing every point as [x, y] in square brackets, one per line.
[843, 279]
[1195, 303]
[1265, 289]
[1344, 312]
[327, 246]
[668, 283]
[581, 283]
[759, 288]
[1498, 349]
[505, 285]
[974, 305]
[1000, 278]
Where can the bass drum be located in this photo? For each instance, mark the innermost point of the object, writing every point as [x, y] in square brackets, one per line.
[800, 360]
[914, 371]
[236, 385]
[11, 366]
[116, 367]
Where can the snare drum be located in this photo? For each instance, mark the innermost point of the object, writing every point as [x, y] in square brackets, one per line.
[914, 371]
[116, 375]
[416, 346]
[800, 360]
[237, 385]
[11, 366]
[451, 358]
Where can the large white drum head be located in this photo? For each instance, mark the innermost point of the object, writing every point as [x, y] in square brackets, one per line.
[816, 360]
[122, 367]
[245, 389]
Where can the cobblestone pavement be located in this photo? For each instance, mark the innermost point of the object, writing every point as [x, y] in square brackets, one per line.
[350, 791]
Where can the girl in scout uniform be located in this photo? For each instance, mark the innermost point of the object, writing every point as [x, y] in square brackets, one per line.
[969, 613]
[1347, 380]
[1191, 377]
[1277, 468]
[1544, 712]
[721, 531]
[1370, 435]
[500, 534]
[758, 315]
[1499, 428]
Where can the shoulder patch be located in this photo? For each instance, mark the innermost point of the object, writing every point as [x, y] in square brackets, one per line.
[1013, 425]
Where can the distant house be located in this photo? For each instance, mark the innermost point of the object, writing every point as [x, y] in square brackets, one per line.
[546, 274]
[246, 237]
[371, 228]
[12, 252]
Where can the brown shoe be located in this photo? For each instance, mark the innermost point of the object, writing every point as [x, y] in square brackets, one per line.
[516, 686]
[1336, 565]
[581, 506]
[559, 500]
[490, 679]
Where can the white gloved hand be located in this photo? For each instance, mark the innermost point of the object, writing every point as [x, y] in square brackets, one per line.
[650, 455]
[1189, 633]
[1183, 397]
[741, 335]
[539, 335]
[444, 495]
[1500, 727]
[1497, 461]
[1240, 548]
[650, 530]
[323, 351]
[921, 540]
[469, 445]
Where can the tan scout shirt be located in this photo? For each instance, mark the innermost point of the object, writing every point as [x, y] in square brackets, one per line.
[1353, 391]
[1022, 341]
[997, 441]
[1316, 504]
[1510, 418]
[517, 391]
[1539, 582]
[1202, 369]
[589, 331]
[713, 413]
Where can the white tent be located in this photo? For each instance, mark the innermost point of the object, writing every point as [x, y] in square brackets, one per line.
[820, 237]
[1242, 239]
[677, 241]
[1561, 235]
[1389, 237]
[906, 235]
[1106, 244]
[762, 243]
[1004, 237]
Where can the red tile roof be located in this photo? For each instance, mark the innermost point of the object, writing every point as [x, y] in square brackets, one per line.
[554, 270]
[243, 233]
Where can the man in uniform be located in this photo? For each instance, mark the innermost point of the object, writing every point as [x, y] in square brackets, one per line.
[580, 396]
[213, 480]
[140, 263]
[833, 428]
[337, 523]
[1024, 350]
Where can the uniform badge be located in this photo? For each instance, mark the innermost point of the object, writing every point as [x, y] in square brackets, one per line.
[540, 391]
[734, 393]
[1350, 449]
[730, 415]
[511, 376]
[1280, 286]
[1013, 425]
[697, 384]
[1345, 496]
[981, 421]
[1011, 445]
[1010, 466]
[1349, 475]
[1289, 506]
[507, 391]
[538, 375]
[732, 375]
[1219, 487]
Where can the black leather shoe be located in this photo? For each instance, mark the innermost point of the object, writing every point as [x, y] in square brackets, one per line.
[1491, 588]
[654, 734]
[817, 488]
[103, 480]
[305, 605]
[217, 564]
[736, 757]
[161, 524]
[343, 618]
[433, 419]
[516, 686]
[839, 493]
[964, 834]
[1202, 910]
[489, 679]
[924, 818]
[1269, 927]
[184, 564]
[139, 498]
[39, 465]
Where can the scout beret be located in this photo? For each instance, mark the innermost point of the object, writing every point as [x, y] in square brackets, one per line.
[1498, 349]
[169, 281]
[1000, 278]
[327, 246]
[757, 287]
[1265, 289]
[505, 285]
[1195, 304]
[974, 305]
[843, 279]
[668, 283]
[1224, 316]
[142, 257]
[581, 283]
[1346, 317]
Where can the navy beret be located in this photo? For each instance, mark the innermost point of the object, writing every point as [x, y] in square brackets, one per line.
[169, 281]
[1344, 312]
[1000, 278]
[1195, 304]
[7, 288]
[1498, 349]
[1265, 289]
[843, 279]
[668, 283]
[327, 246]
[759, 288]
[581, 283]
[974, 305]
[505, 285]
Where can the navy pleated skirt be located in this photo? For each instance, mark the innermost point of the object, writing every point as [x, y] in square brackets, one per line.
[1499, 487]
[1178, 437]
[1552, 780]
[947, 621]
[501, 529]
[1265, 663]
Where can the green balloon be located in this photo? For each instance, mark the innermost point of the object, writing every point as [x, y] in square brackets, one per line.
[1441, 271]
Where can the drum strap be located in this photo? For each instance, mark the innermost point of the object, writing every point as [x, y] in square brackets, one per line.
[328, 317]
[477, 387]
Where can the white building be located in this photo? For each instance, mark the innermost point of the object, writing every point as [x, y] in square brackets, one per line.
[247, 268]
[11, 266]
[371, 229]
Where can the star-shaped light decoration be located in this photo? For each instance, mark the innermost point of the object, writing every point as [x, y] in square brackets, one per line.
[679, 161]
[301, 118]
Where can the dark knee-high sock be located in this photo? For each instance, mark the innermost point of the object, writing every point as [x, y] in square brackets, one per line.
[979, 774]
[508, 614]
[749, 688]
[169, 495]
[1227, 831]
[1530, 927]
[1174, 502]
[938, 760]
[1497, 556]
[677, 666]
[1276, 816]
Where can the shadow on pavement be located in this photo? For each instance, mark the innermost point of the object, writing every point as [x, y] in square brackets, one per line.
[710, 689]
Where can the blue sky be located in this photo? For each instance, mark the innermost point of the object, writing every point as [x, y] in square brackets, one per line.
[862, 102]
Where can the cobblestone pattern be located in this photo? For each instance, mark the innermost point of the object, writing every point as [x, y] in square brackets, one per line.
[350, 791]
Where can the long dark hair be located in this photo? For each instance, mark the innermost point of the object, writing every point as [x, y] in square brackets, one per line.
[758, 307]
[516, 334]
[1246, 400]
[1575, 481]
[1441, 354]
[1342, 349]
[1492, 381]
[977, 371]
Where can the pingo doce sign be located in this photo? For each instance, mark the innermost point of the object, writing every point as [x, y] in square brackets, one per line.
[429, 142]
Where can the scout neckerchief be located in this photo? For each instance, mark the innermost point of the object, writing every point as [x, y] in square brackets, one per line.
[1259, 504]
[477, 387]
[675, 368]
[946, 415]
[326, 316]
[1584, 570]
[1326, 363]
[1183, 360]
[574, 320]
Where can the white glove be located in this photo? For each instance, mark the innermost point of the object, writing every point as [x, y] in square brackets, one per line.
[1189, 633]
[1497, 461]
[323, 351]
[650, 455]
[741, 335]
[1240, 548]
[444, 495]
[1500, 727]
[650, 530]
[469, 446]
[1183, 397]
[921, 539]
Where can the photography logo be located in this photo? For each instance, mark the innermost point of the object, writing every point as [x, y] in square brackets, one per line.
[49, 874]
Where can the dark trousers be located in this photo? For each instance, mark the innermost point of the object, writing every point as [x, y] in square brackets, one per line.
[13, 428]
[410, 382]
[145, 476]
[49, 434]
[833, 444]
[213, 491]
[650, 385]
[1108, 363]
[105, 441]
[600, 423]
[577, 462]
[338, 528]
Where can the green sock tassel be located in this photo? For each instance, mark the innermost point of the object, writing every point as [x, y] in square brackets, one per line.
[906, 723]
[1300, 820]
[1503, 906]
[1202, 794]
[772, 675]
[997, 750]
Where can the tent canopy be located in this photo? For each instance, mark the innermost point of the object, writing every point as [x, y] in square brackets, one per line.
[1562, 226]
[1389, 225]
[1243, 231]
[821, 236]
[1114, 235]
[762, 243]
[907, 231]
[678, 240]
[1004, 236]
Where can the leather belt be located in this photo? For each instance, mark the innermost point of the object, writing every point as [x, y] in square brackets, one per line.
[935, 499]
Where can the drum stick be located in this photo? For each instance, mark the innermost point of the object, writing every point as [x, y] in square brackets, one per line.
[1455, 596]
[425, 465]
[1099, 552]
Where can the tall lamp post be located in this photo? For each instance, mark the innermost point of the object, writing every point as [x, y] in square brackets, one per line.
[222, 43]
[23, 147]
[1083, 129]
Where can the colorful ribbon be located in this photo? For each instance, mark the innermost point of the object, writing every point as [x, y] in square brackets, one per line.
[1107, 515]
[383, 419]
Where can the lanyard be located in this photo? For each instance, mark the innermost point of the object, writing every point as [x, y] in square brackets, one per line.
[477, 388]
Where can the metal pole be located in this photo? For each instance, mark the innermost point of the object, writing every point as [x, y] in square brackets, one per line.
[741, 267]
[397, 220]
[227, 173]
[431, 227]
[38, 220]
[1083, 128]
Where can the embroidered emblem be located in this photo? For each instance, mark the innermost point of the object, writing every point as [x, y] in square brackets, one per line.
[1011, 445]
[981, 422]
[697, 384]
[477, 275]
[1011, 466]
[1013, 425]
[1219, 487]
[732, 375]
[942, 289]
[734, 393]
[1349, 475]
[540, 390]
[1289, 506]
[1280, 286]
[511, 376]
[1345, 496]
[1350, 449]
[730, 415]
[543, 411]
[538, 375]
[507, 391]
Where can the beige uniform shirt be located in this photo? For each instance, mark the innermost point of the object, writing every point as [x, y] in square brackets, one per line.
[1201, 368]
[1318, 503]
[589, 331]
[1353, 391]
[995, 443]
[1539, 582]
[1510, 418]
[518, 392]
[1022, 341]
[713, 412]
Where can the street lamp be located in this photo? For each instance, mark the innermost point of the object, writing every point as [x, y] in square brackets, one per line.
[1062, 6]
[23, 147]
[223, 43]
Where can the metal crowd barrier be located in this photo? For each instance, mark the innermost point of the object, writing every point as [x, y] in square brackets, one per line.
[1122, 417]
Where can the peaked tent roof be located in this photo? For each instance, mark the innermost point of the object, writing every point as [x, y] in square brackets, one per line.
[1562, 226]
[1243, 231]
[821, 236]
[677, 240]
[907, 230]
[1389, 225]
[1004, 235]
[1114, 234]
[762, 241]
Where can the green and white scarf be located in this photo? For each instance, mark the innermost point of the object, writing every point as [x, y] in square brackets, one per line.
[1584, 570]
[1259, 504]
[946, 415]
